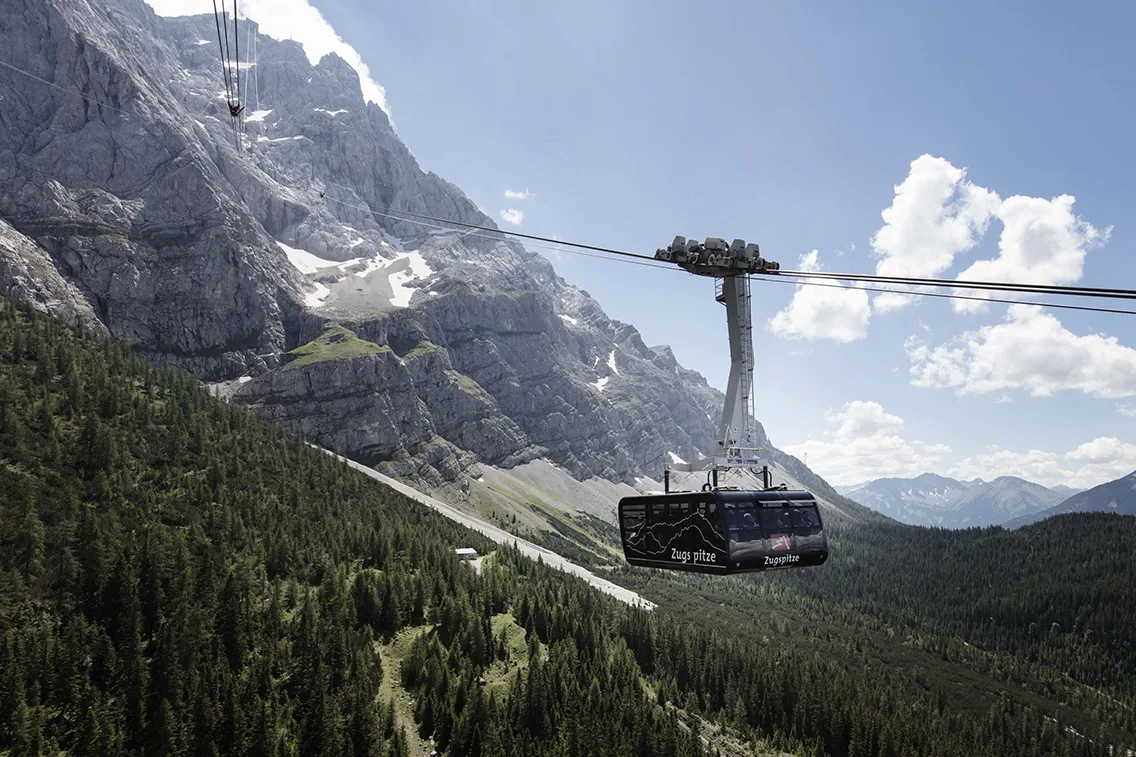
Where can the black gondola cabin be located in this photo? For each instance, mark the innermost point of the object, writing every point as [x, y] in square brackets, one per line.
[723, 531]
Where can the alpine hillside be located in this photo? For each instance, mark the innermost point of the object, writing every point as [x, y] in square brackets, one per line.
[1117, 496]
[180, 578]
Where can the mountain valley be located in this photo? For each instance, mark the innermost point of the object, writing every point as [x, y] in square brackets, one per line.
[931, 500]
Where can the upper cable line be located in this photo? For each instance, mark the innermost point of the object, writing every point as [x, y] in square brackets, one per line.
[1126, 294]
[792, 275]
[557, 246]
[942, 295]
[230, 66]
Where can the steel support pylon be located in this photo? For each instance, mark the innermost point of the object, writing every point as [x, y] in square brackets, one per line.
[730, 265]
[737, 432]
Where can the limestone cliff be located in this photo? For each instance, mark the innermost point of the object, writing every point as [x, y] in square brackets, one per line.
[139, 209]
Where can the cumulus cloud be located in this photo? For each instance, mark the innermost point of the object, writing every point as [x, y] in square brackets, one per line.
[935, 215]
[1030, 350]
[1033, 465]
[823, 312]
[1091, 464]
[513, 216]
[1103, 459]
[291, 19]
[1042, 242]
[1127, 410]
[863, 419]
[864, 442]
[512, 194]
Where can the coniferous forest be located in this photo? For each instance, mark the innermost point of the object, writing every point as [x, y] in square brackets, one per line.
[179, 578]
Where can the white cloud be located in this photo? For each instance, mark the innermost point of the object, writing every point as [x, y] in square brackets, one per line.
[1030, 350]
[512, 194]
[1042, 242]
[823, 312]
[1091, 464]
[863, 419]
[936, 214]
[1127, 410]
[1034, 465]
[1103, 459]
[513, 216]
[864, 442]
[1104, 449]
[291, 19]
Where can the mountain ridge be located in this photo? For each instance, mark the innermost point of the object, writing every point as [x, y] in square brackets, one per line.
[934, 500]
[1117, 496]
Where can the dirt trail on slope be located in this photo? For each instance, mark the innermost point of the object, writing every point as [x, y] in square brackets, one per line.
[502, 536]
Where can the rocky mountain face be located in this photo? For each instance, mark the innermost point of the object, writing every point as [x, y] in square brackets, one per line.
[931, 500]
[1117, 496]
[129, 205]
[29, 274]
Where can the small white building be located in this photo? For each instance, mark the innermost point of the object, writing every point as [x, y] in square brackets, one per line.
[466, 553]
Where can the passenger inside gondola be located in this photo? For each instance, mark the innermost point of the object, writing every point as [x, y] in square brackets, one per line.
[745, 533]
[806, 526]
[776, 519]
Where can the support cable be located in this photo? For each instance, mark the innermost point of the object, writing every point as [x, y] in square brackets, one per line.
[998, 300]
[75, 92]
[237, 44]
[1127, 294]
[224, 58]
[565, 246]
[1072, 291]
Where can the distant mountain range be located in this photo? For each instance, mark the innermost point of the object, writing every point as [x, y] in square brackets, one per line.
[1117, 496]
[932, 500]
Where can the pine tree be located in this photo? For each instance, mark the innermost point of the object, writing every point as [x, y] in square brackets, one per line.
[30, 542]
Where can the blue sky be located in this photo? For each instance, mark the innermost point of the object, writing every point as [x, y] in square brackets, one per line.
[791, 124]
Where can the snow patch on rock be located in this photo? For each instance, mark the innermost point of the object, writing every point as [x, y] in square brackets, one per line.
[316, 298]
[306, 262]
[416, 269]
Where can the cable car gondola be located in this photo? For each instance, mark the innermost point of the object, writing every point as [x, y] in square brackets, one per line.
[723, 531]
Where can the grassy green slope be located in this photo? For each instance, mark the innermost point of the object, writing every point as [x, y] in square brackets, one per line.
[335, 343]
